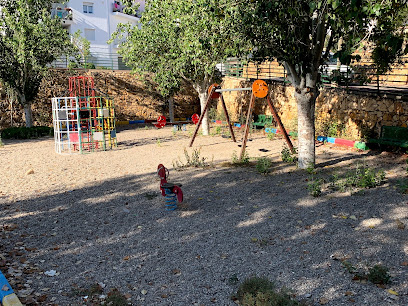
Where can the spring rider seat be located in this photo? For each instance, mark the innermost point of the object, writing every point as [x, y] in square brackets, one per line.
[171, 191]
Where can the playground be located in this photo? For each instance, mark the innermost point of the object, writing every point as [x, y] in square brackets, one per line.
[76, 227]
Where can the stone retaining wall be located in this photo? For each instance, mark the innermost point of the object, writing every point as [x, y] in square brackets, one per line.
[354, 115]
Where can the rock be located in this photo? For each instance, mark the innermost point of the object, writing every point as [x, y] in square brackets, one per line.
[31, 171]
[50, 273]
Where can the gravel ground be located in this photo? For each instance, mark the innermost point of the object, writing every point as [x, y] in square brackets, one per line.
[99, 218]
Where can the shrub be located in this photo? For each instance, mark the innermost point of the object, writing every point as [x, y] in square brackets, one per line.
[217, 130]
[89, 66]
[261, 291]
[378, 274]
[361, 177]
[26, 133]
[195, 160]
[263, 165]
[288, 156]
[237, 162]
[365, 177]
[315, 187]
[271, 136]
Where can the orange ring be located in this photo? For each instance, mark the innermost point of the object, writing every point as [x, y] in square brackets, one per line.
[260, 89]
[215, 95]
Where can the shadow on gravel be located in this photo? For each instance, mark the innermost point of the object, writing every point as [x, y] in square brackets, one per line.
[123, 145]
[234, 223]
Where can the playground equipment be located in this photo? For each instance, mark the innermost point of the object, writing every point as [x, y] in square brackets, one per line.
[172, 192]
[83, 122]
[7, 295]
[259, 90]
[162, 121]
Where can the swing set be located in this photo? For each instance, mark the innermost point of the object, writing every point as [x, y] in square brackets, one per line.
[259, 90]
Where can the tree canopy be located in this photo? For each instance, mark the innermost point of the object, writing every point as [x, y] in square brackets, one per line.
[183, 39]
[301, 33]
[31, 39]
[179, 40]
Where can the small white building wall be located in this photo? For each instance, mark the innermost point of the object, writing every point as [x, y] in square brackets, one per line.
[103, 20]
[96, 21]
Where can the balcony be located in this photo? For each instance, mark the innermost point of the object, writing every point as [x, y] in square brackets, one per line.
[119, 10]
[64, 14]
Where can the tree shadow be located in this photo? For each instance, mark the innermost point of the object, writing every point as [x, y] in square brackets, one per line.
[233, 223]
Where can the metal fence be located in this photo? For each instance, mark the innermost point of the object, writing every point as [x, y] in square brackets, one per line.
[358, 76]
[110, 61]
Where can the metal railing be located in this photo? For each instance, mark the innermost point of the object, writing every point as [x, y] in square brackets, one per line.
[62, 14]
[109, 61]
[360, 75]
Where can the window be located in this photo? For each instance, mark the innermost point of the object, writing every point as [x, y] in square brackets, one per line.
[90, 34]
[88, 8]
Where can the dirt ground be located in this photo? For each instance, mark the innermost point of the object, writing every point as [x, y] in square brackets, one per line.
[99, 219]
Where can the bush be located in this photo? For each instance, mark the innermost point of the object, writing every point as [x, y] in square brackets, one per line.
[378, 275]
[365, 177]
[256, 291]
[315, 187]
[27, 133]
[195, 160]
[361, 177]
[263, 165]
[288, 156]
[271, 136]
[237, 162]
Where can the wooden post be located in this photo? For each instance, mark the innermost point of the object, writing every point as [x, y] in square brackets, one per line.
[202, 114]
[277, 119]
[228, 119]
[244, 140]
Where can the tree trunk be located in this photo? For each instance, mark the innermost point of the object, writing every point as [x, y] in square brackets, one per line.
[171, 109]
[28, 115]
[201, 89]
[205, 124]
[306, 100]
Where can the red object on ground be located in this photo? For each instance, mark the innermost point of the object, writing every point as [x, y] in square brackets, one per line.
[161, 122]
[179, 193]
[344, 142]
[195, 118]
[163, 173]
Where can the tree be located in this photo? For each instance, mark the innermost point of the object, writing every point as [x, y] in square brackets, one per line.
[179, 40]
[30, 40]
[301, 34]
[82, 47]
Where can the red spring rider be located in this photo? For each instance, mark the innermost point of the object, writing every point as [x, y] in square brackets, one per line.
[161, 122]
[171, 192]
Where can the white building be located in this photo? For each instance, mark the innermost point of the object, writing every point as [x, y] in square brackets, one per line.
[97, 20]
